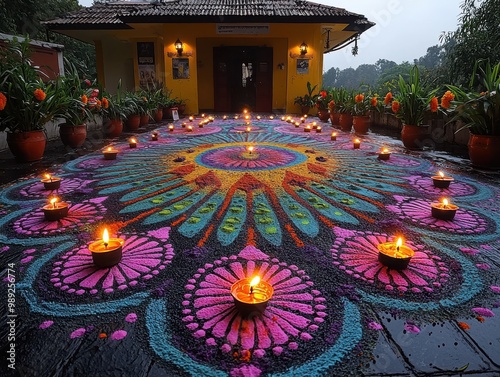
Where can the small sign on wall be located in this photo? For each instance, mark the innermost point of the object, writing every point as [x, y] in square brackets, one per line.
[180, 68]
[175, 114]
[302, 66]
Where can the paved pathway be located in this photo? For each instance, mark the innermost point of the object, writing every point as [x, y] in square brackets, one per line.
[198, 210]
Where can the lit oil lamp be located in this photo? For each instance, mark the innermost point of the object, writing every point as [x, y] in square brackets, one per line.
[248, 129]
[50, 182]
[271, 117]
[441, 180]
[356, 143]
[132, 143]
[333, 137]
[443, 210]
[289, 119]
[110, 153]
[283, 118]
[56, 210]
[251, 295]
[171, 127]
[247, 117]
[384, 154]
[203, 115]
[200, 125]
[297, 124]
[236, 117]
[314, 125]
[250, 149]
[189, 128]
[258, 117]
[305, 116]
[154, 136]
[245, 111]
[395, 255]
[224, 117]
[106, 252]
[191, 118]
[211, 118]
[302, 120]
[318, 129]
[307, 128]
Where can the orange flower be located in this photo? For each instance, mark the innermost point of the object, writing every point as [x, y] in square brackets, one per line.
[331, 104]
[103, 335]
[480, 319]
[39, 94]
[388, 98]
[463, 325]
[374, 101]
[84, 99]
[359, 98]
[105, 103]
[395, 106]
[434, 104]
[446, 99]
[99, 103]
[3, 101]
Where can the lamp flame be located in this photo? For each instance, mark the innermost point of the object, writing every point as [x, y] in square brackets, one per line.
[109, 149]
[132, 141]
[53, 202]
[254, 282]
[105, 237]
[445, 203]
[441, 174]
[48, 176]
[399, 243]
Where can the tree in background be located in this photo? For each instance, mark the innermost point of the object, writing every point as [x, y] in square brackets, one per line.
[477, 37]
[24, 17]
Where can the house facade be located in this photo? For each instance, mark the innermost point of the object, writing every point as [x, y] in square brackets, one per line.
[218, 55]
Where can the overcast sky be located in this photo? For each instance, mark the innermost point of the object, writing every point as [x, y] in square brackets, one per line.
[404, 30]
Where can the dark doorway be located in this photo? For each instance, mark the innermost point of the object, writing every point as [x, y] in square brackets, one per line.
[243, 78]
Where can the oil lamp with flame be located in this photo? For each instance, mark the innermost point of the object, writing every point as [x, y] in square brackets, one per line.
[132, 143]
[444, 210]
[50, 182]
[56, 210]
[251, 295]
[395, 255]
[106, 252]
[441, 180]
[384, 154]
[110, 153]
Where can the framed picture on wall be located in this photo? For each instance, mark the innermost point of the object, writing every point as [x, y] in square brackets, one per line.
[302, 66]
[180, 68]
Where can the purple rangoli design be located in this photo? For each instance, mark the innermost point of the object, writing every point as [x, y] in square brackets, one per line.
[356, 253]
[144, 257]
[426, 186]
[87, 212]
[418, 211]
[295, 311]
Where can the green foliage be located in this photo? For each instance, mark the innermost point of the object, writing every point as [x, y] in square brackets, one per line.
[307, 99]
[479, 107]
[19, 79]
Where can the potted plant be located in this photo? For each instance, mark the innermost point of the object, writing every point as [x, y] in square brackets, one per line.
[131, 101]
[322, 101]
[80, 102]
[306, 101]
[345, 108]
[479, 110]
[114, 111]
[26, 102]
[361, 119]
[412, 101]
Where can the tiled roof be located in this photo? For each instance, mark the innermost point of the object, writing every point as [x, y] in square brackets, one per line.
[118, 14]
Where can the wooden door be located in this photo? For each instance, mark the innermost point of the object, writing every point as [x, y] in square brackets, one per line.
[264, 80]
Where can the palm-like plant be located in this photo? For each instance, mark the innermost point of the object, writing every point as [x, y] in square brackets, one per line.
[480, 111]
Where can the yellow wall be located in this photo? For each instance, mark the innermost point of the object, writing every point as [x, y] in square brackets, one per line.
[119, 57]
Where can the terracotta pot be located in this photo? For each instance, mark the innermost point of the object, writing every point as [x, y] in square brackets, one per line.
[27, 146]
[414, 137]
[113, 128]
[345, 122]
[361, 123]
[73, 136]
[323, 115]
[133, 122]
[181, 109]
[484, 151]
[304, 110]
[144, 120]
[158, 115]
[334, 118]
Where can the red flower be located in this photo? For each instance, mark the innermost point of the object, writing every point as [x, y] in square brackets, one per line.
[388, 98]
[395, 106]
[446, 99]
[359, 98]
[39, 94]
[331, 105]
[3, 101]
[87, 81]
[434, 104]
[323, 94]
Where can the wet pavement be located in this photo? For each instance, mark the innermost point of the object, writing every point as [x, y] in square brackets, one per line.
[197, 211]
